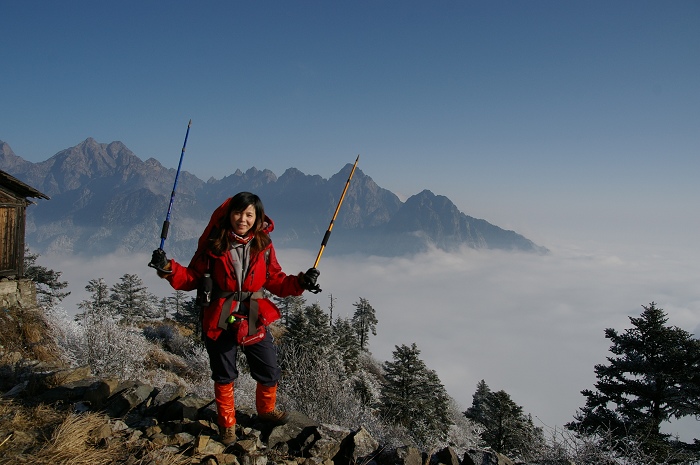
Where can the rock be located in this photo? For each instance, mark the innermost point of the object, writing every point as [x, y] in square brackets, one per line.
[118, 425]
[405, 455]
[103, 432]
[328, 442]
[360, 444]
[213, 448]
[485, 457]
[70, 375]
[246, 446]
[17, 389]
[128, 398]
[169, 393]
[182, 439]
[226, 459]
[447, 456]
[186, 408]
[253, 459]
[99, 391]
[295, 433]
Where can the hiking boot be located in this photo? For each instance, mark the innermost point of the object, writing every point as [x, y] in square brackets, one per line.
[276, 417]
[228, 435]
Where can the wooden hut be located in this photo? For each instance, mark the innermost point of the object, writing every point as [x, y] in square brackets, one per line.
[14, 196]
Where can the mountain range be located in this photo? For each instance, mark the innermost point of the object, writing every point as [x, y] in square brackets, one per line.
[104, 198]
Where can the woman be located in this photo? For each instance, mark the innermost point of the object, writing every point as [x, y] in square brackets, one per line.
[235, 250]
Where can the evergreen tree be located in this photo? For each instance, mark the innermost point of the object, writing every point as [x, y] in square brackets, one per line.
[97, 320]
[176, 303]
[289, 305]
[650, 373]
[688, 400]
[363, 385]
[308, 330]
[479, 410]
[364, 320]
[507, 429]
[163, 308]
[48, 285]
[131, 299]
[98, 304]
[189, 315]
[413, 396]
[346, 344]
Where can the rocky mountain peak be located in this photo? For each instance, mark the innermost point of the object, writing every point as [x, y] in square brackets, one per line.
[107, 188]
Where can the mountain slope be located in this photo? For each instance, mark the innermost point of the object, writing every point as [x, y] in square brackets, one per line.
[104, 198]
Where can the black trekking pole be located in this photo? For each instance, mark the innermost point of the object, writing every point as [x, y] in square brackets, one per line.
[166, 223]
[330, 227]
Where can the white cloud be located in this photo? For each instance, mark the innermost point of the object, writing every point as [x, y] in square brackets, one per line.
[530, 325]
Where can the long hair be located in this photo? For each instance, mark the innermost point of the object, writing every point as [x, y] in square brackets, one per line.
[222, 236]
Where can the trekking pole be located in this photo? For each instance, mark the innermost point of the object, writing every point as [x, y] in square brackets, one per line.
[166, 223]
[330, 227]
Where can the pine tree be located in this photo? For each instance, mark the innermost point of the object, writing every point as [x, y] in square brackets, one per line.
[131, 299]
[288, 305]
[309, 330]
[687, 402]
[163, 308]
[97, 319]
[364, 320]
[413, 396]
[650, 373]
[48, 284]
[479, 410]
[346, 344]
[176, 302]
[98, 304]
[507, 429]
[189, 315]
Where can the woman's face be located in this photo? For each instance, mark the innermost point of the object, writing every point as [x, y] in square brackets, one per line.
[242, 221]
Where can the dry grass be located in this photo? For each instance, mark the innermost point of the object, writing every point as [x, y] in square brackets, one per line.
[23, 429]
[24, 332]
[160, 457]
[72, 443]
[43, 435]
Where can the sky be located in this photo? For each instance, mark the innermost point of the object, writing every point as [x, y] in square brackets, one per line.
[575, 124]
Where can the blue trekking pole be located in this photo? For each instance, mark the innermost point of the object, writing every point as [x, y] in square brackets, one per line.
[166, 223]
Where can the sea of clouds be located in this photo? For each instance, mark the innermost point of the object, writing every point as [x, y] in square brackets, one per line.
[531, 325]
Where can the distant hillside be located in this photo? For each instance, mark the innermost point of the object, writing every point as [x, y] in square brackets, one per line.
[105, 199]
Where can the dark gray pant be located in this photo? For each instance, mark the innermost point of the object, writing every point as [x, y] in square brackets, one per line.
[261, 357]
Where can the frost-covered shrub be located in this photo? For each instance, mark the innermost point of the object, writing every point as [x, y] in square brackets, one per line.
[602, 448]
[245, 391]
[464, 434]
[198, 361]
[67, 335]
[99, 342]
[159, 333]
[169, 338]
[322, 391]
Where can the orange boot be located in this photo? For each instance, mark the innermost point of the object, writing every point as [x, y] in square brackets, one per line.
[226, 412]
[265, 399]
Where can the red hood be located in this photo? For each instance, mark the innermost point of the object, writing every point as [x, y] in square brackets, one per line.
[216, 217]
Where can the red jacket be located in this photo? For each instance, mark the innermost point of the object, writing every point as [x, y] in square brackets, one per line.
[261, 273]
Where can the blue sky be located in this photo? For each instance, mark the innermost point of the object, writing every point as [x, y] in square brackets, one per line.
[576, 124]
[508, 108]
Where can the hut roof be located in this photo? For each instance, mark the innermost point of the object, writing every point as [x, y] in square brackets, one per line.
[14, 184]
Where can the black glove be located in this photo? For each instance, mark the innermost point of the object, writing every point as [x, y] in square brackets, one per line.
[308, 280]
[160, 261]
